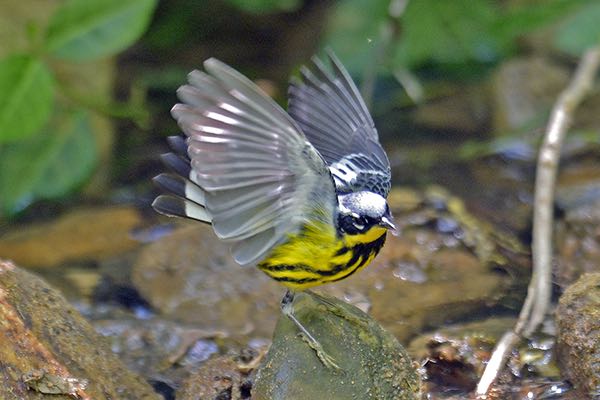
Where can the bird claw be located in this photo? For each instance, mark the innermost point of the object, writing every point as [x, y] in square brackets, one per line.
[325, 358]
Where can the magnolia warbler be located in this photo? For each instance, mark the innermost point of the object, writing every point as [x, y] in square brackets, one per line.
[300, 194]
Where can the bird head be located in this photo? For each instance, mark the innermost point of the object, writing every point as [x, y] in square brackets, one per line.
[361, 211]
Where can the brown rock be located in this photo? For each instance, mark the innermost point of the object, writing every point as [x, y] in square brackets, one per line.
[578, 232]
[416, 283]
[463, 110]
[46, 347]
[455, 356]
[578, 341]
[523, 90]
[219, 378]
[191, 276]
[78, 235]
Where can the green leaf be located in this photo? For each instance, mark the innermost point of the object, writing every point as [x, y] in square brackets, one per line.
[454, 31]
[26, 96]
[88, 29]
[580, 30]
[265, 6]
[48, 165]
[354, 31]
[447, 32]
[520, 18]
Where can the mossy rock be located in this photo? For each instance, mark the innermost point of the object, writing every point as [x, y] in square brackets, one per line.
[578, 340]
[372, 364]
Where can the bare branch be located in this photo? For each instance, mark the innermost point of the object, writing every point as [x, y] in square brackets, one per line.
[540, 288]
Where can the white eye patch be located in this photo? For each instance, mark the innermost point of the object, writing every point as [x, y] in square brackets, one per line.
[358, 226]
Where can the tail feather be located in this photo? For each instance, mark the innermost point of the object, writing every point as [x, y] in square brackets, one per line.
[177, 164]
[180, 187]
[178, 145]
[184, 198]
[173, 206]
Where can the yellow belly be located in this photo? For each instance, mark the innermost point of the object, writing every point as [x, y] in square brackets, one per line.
[317, 256]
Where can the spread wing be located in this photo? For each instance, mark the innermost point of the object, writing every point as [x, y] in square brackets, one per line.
[250, 170]
[330, 111]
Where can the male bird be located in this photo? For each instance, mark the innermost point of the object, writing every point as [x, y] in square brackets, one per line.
[300, 194]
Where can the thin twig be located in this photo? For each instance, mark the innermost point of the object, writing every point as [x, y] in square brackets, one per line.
[539, 290]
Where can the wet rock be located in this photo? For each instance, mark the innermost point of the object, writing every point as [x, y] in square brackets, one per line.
[442, 267]
[190, 276]
[464, 111]
[455, 356]
[523, 90]
[84, 234]
[372, 363]
[578, 243]
[578, 231]
[578, 341]
[158, 349]
[222, 378]
[455, 285]
[46, 347]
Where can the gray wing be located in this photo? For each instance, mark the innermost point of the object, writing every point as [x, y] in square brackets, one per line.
[261, 179]
[330, 111]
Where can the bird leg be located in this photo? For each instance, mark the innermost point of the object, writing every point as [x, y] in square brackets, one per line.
[287, 307]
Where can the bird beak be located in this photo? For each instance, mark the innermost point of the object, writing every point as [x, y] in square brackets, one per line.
[388, 223]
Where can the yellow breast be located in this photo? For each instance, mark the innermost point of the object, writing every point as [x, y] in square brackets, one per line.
[317, 255]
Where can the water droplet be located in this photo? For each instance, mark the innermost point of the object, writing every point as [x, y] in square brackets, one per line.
[201, 351]
[410, 271]
[447, 225]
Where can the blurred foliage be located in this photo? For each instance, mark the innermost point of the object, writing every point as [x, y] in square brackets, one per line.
[265, 6]
[580, 30]
[49, 163]
[44, 157]
[448, 31]
[85, 30]
[27, 88]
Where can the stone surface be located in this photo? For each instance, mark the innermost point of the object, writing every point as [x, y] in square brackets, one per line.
[578, 341]
[462, 110]
[523, 90]
[79, 235]
[372, 364]
[440, 268]
[159, 349]
[578, 229]
[455, 356]
[46, 347]
[191, 276]
[221, 378]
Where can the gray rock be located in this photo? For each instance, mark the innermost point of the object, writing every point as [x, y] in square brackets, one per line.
[373, 365]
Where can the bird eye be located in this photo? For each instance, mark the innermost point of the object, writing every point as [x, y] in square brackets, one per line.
[359, 222]
[353, 223]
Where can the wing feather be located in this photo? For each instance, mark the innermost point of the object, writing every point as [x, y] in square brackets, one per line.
[329, 109]
[261, 179]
